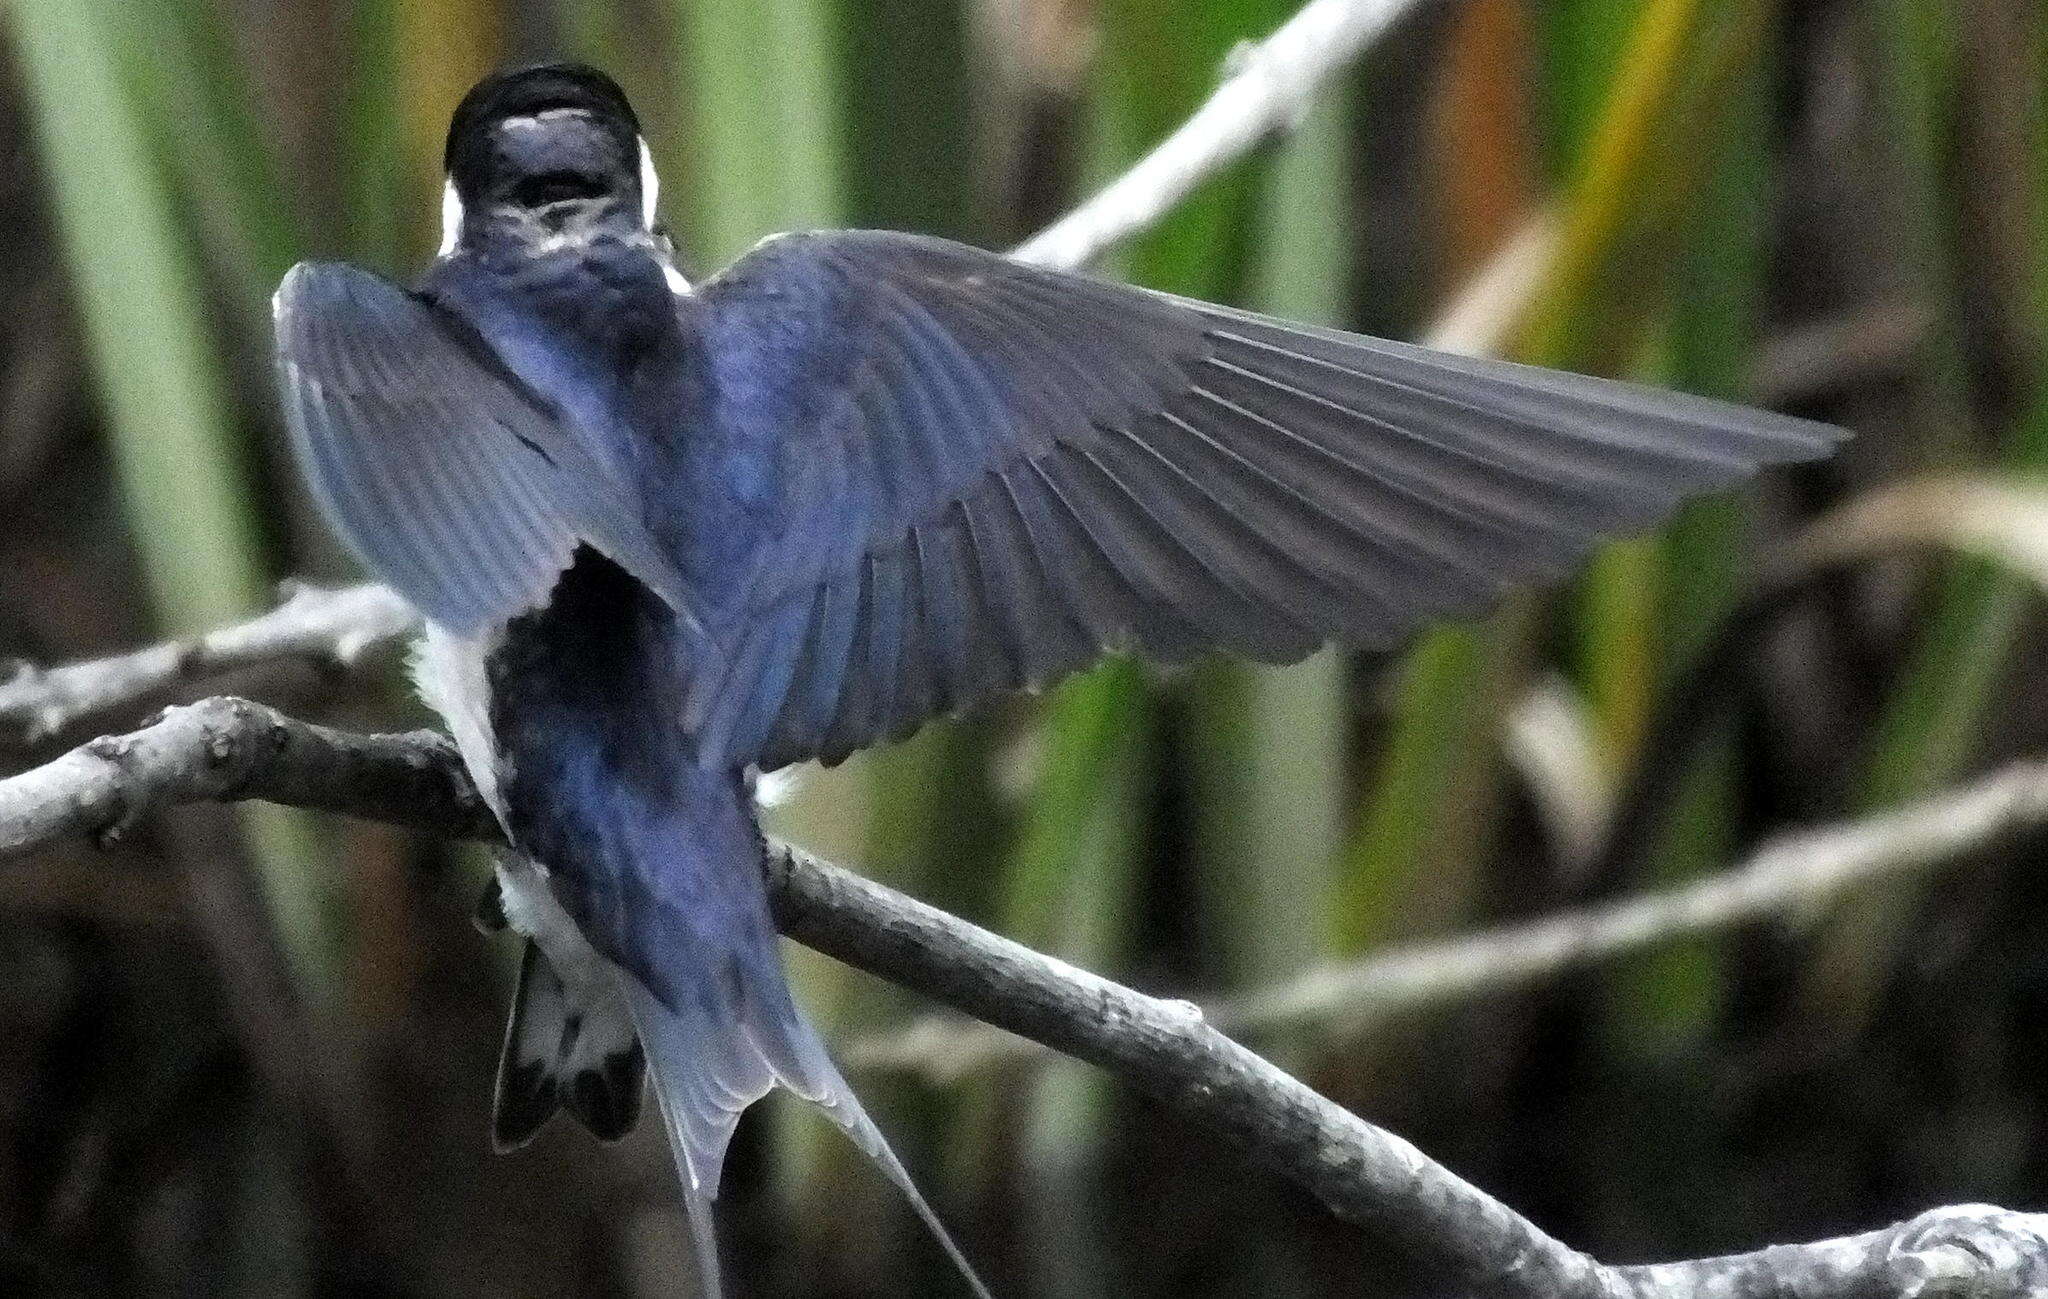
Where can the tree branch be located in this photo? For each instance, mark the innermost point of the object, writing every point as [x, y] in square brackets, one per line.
[315, 623]
[1970, 1251]
[1793, 878]
[1267, 89]
[227, 749]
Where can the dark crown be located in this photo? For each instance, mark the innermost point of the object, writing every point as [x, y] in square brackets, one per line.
[531, 89]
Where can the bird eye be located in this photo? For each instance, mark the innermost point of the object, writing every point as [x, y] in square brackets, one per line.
[547, 187]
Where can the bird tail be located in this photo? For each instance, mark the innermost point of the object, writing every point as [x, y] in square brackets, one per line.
[712, 1056]
[566, 1046]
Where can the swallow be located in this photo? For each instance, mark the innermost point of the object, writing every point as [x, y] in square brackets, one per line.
[667, 534]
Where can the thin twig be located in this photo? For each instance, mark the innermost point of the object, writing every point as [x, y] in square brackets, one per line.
[315, 623]
[1790, 880]
[1268, 88]
[226, 749]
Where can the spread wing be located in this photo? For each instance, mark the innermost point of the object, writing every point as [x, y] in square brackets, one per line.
[450, 479]
[991, 474]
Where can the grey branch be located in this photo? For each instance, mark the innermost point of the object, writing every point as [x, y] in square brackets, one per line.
[228, 749]
[1969, 1251]
[1268, 88]
[314, 623]
[1787, 881]
[1792, 879]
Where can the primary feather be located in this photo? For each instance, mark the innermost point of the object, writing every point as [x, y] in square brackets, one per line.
[986, 475]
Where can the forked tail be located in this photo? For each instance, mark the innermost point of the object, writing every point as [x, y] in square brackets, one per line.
[712, 1056]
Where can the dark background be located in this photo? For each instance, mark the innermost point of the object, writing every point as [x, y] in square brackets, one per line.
[250, 1051]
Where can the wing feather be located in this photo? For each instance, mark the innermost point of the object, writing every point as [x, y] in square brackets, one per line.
[449, 479]
[1002, 472]
[870, 695]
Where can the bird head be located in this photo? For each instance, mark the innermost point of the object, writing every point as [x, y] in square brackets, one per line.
[543, 151]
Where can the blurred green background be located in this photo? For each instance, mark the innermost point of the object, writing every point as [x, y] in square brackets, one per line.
[250, 1052]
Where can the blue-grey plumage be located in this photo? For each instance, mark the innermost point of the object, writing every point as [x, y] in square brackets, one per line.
[663, 534]
[656, 861]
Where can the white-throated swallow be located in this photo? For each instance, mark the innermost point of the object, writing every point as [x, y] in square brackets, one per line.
[664, 534]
